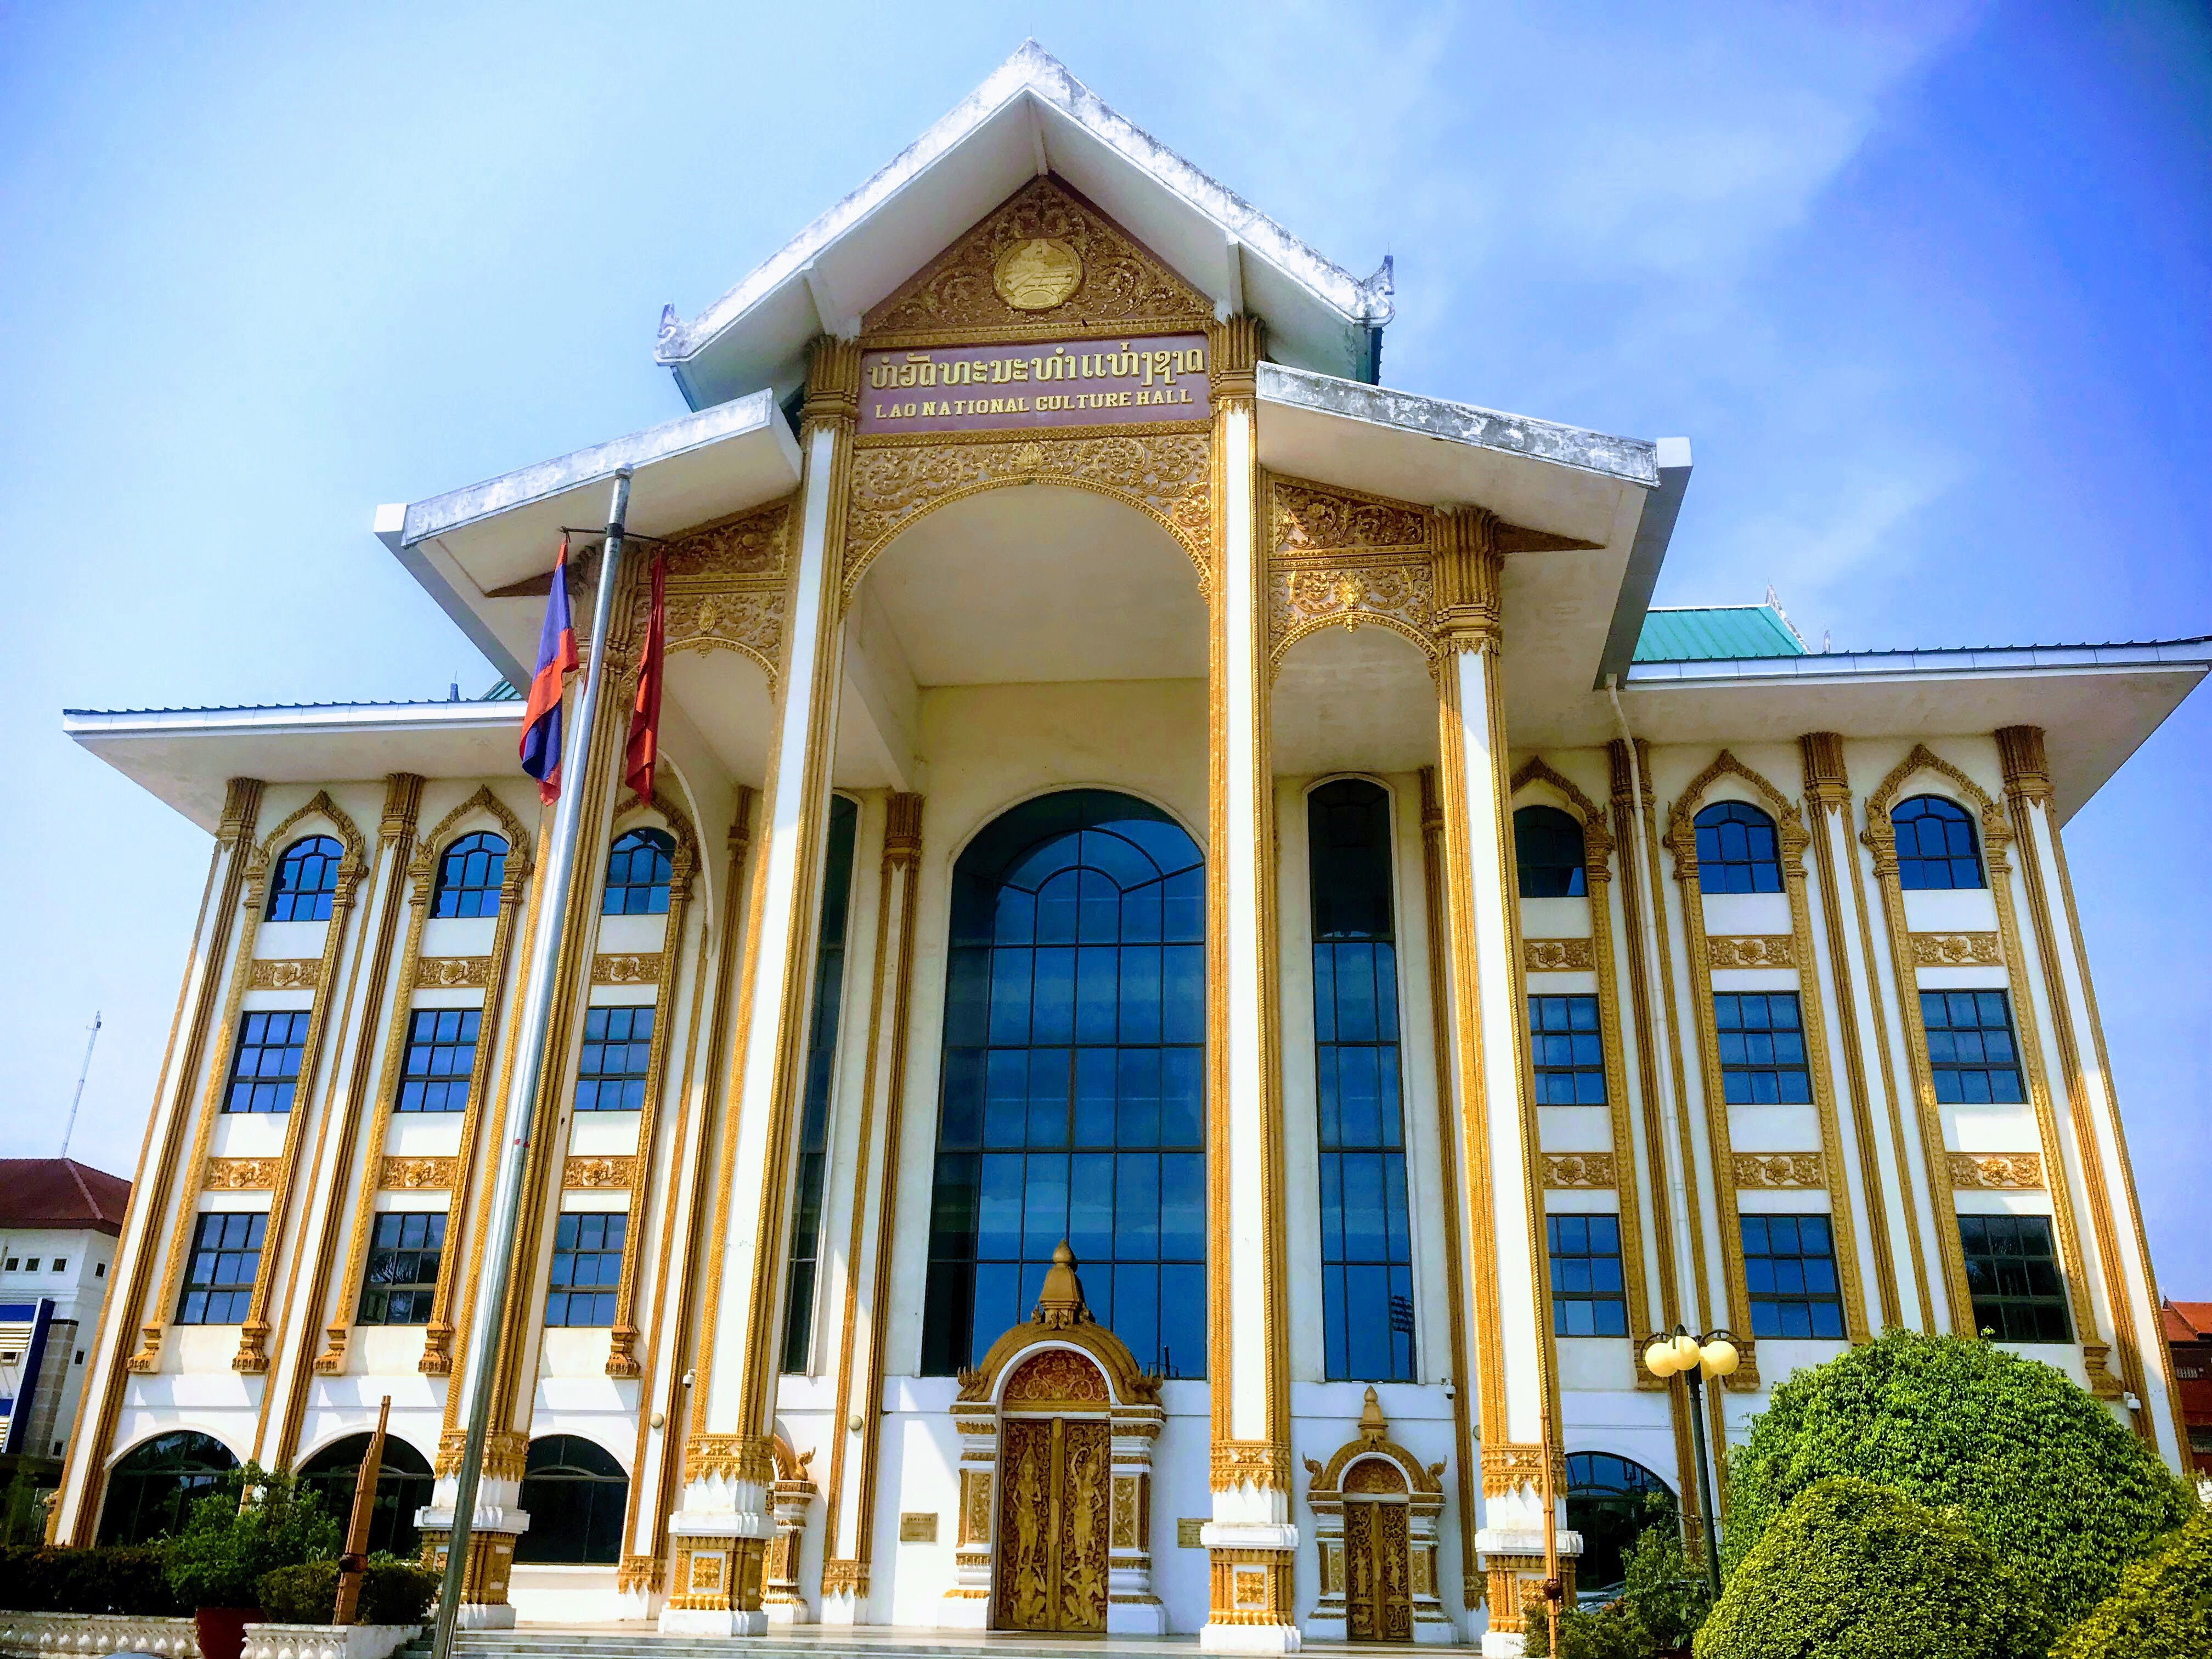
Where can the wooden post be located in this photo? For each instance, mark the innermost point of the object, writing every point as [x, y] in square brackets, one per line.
[364, 1504]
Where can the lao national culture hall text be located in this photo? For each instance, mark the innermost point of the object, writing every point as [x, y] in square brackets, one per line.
[1199, 970]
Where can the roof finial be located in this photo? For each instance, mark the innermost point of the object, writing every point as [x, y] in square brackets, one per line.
[1059, 1304]
[1373, 1427]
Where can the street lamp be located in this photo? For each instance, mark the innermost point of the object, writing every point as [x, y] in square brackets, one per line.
[1694, 1359]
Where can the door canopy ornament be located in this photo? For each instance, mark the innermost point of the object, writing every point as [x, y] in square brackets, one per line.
[1374, 1507]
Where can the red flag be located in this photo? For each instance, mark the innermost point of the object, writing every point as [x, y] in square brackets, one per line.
[644, 748]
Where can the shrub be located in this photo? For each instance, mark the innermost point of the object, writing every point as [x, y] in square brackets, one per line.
[1662, 1604]
[2163, 1609]
[113, 1578]
[305, 1595]
[253, 1521]
[393, 1592]
[2048, 1477]
[396, 1592]
[1851, 1570]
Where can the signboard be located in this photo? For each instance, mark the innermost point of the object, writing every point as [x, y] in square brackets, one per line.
[917, 1527]
[1161, 377]
[1188, 1533]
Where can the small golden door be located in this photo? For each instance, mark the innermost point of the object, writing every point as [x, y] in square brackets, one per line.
[1378, 1602]
[1054, 1489]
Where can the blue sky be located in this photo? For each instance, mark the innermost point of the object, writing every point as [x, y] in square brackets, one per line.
[1925, 284]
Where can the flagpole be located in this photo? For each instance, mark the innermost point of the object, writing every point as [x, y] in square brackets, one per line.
[489, 1322]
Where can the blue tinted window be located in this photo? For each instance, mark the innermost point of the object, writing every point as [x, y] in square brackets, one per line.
[611, 1074]
[307, 876]
[442, 1053]
[219, 1273]
[1762, 1046]
[1936, 846]
[821, 1064]
[587, 1255]
[1737, 852]
[1366, 1238]
[402, 1278]
[1567, 1050]
[469, 876]
[1972, 1057]
[1587, 1297]
[638, 867]
[2012, 1269]
[1072, 1101]
[1548, 847]
[264, 1068]
[1789, 1269]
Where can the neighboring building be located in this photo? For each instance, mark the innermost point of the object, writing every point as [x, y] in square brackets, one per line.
[1128, 779]
[2189, 1339]
[59, 1220]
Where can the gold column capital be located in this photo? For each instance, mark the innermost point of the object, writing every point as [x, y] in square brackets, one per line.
[901, 831]
[1236, 342]
[1469, 576]
[1827, 780]
[241, 802]
[2026, 769]
[833, 383]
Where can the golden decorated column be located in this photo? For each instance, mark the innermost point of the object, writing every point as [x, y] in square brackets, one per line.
[1252, 1539]
[720, 1536]
[1508, 1265]
[2123, 1252]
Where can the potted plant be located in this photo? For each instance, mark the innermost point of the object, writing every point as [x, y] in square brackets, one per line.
[254, 1521]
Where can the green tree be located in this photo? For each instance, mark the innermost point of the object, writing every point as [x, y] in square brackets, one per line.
[2163, 1609]
[253, 1521]
[2047, 1475]
[1852, 1571]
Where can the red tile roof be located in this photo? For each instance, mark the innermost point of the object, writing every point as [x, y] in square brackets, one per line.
[2187, 1322]
[60, 1192]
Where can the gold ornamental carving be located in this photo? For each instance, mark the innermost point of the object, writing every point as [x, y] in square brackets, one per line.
[1507, 1468]
[276, 974]
[409, 1174]
[1726, 950]
[730, 1457]
[1045, 258]
[1302, 602]
[627, 968]
[1998, 1171]
[1308, 519]
[506, 1453]
[1256, 1463]
[1164, 472]
[1341, 558]
[1957, 951]
[1571, 1169]
[242, 1175]
[452, 973]
[1053, 1525]
[599, 1173]
[1056, 1377]
[1558, 956]
[1781, 1171]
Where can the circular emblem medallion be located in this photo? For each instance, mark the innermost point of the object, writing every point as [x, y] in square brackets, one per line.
[1038, 274]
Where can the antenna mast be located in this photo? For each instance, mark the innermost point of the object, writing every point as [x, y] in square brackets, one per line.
[82, 1072]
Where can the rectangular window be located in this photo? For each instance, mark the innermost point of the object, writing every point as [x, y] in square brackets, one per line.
[821, 1068]
[1789, 1268]
[1587, 1297]
[588, 1255]
[2012, 1268]
[219, 1275]
[617, 1049]
[1970, 1047]
[264, 1068]
[1569, 1054]
[403, 1267]
[442, 1053]
[1762, 1047]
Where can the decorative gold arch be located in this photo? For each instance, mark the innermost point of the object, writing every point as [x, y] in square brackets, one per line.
[1789, 821]
[351, 868]
[1597, 837]
[483, 803]
[1343, 558]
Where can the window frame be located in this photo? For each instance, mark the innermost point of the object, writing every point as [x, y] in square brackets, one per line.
[252, 1024]
[1947, 1074]
[286, 892]
[1595, 1296]
[1576, 882]
[471, 900]
[427, 1256]
[415, 1085]
[1914, 867]
[606, 1249]
[629, 847]
[209, 1255]
[603, 1499]
[1747, 1042]
[2002, 1302]
[629, 1042]
[1778, 1296]
[1715, 870]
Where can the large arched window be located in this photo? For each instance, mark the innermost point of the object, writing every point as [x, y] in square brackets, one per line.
[152, 1487]
[637, 874]
[1366, 1242]
[1072, 1095]
[403, 1484]
[1547, 845]
[469, 876]
[307, 876]
[574, 1492]
[1737, 852]
[1936, 846]
[1611, 1501]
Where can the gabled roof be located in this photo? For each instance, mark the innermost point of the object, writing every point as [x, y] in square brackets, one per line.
[60, 1193]
[1029, 117]
[2187, 1322]
[1710, 633]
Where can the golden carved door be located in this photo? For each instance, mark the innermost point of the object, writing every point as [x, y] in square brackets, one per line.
[1054, 1487]
[1378, 1598]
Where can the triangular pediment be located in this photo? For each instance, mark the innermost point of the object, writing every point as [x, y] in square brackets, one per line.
[1045, 261]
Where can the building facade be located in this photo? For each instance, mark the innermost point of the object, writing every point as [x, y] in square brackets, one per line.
[1200, 969]
[2189, 1345]
[59, 1220]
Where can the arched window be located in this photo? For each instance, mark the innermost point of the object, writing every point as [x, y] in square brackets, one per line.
[574, 1492]
[1737, 852]
[152, 1486]
[820, 1069]
[306, 875]
[403, 1485]
[1073, 1093]
[637, 874]
[1366, 1242]
[1611, 1501]
[469, 876]
[1936, 846]
[1548, 845]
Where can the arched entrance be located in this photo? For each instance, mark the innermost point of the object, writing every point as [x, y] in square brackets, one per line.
[1057, 1427]
[1375, 1512]
[405, 1484]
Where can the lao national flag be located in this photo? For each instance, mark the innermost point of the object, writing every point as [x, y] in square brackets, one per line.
[643, 749]
[541, 715]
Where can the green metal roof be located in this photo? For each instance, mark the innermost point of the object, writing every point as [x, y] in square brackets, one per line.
[1716, 633]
